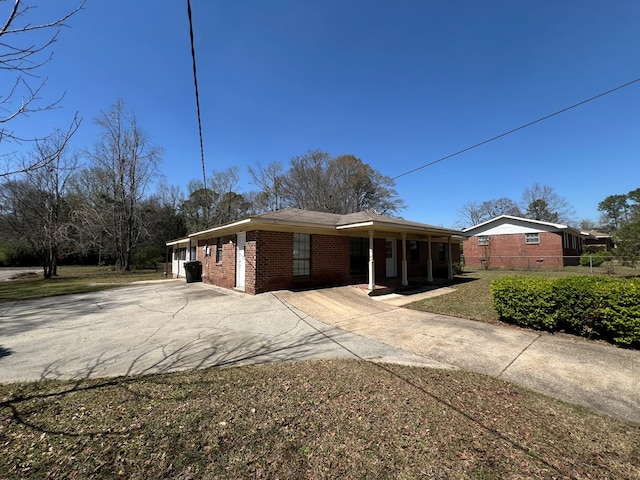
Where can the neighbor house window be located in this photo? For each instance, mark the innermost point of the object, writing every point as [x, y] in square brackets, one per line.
[301, 255]
[414, 252]
[483, 240]
[219, 251]
[531, 238]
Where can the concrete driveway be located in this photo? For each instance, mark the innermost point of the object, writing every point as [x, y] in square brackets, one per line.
[9, 273]
[167, 326]
[171, 325]
[597, 375]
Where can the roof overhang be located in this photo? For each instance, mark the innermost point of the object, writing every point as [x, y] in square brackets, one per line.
[178, 241]
[381, 229]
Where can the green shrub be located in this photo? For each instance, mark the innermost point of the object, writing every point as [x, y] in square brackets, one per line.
[603, 307]
[595, 259]
[576, 306]
[458, 269]
[619, 311]
[525, 301]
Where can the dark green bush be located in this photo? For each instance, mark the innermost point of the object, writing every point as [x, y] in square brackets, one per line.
[525, 301]
[595, 259]
[576, 307]
[619, 311]
[603, 307]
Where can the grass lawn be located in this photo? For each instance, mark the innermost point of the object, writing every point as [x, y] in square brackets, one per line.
[472, 298]
[328, 419]
[71, 279]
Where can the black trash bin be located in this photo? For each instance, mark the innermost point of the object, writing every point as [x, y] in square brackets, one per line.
[193, 271]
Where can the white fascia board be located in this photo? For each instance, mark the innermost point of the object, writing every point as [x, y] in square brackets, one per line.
[395, 227]
[355, 225]
[502, 219]
[178, 242]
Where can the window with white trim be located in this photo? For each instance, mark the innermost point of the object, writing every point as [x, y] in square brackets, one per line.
[531, 238]
[483, 240]
[219, 250]
[301, 255]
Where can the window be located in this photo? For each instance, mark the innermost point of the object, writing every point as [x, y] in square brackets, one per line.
[414, 252]
[483, 240]
[442, 252]
[531, 238]
[301, 255]
[359, 255]
[219, 251]
[389, 248]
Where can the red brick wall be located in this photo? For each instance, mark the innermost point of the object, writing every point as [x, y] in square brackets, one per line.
[222, 274]
[250, 268]
[511, 251]
[274, 261]
[269, 261]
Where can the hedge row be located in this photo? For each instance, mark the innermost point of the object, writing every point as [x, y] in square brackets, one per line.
[594, 307]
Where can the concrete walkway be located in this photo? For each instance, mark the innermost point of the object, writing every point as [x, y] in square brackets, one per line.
[167, 326]
[597, 375]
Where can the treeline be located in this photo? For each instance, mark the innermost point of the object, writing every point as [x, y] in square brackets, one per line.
[110, 205]
[620, 215]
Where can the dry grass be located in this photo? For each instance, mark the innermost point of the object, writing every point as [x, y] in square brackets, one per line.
[70, 280]
[331, 419]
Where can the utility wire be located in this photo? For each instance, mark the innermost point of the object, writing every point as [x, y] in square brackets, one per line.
[195, 82]
[546, 117]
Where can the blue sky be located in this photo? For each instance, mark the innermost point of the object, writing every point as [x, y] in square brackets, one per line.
[398, 84]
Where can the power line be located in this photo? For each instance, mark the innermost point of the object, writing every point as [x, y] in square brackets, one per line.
[546, 117]
[195, 82]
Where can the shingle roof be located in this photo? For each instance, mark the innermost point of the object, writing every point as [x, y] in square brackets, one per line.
[295, 217]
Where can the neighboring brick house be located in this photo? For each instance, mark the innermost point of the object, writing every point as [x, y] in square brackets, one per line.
[295, 248]
[513, 242]
[598, 241]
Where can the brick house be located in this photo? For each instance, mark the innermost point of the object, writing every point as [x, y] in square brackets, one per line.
[598, 241]
[294, 248]
[521, 243]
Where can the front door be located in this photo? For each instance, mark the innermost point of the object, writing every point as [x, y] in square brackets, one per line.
[240, 260]
[392, 264]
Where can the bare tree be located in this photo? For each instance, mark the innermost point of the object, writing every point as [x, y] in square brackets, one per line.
[125, 163]
[35, 205]
[343, 184]
[305, 185]
[24, 51]
[541, 202]
[474, 213]
[356, 187]
[270, 181]
[219, 203]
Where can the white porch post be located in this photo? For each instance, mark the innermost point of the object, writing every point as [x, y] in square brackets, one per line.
[429, 262]
[450, 262]
[405, 280]
[372, 272]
